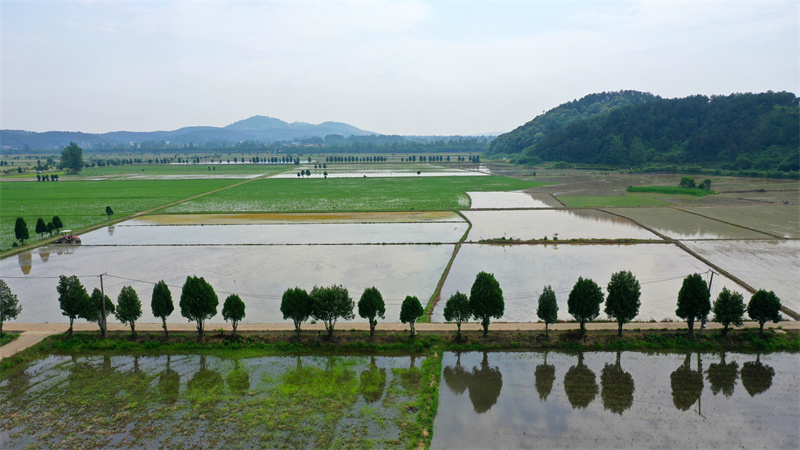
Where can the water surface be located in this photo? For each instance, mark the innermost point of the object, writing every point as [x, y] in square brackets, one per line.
[618, 400]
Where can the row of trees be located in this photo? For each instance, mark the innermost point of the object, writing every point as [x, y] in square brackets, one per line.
[198, 303]
[329, 304]
[623, 301]
[21, 228]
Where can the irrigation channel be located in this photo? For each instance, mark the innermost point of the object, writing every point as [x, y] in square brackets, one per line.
[486, 400]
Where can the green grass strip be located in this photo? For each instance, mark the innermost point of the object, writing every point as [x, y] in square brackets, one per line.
[671, 190]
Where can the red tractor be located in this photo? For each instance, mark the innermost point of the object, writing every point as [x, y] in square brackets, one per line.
[68, 238]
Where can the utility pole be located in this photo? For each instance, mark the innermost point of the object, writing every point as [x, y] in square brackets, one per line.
[711, 280]
[103, 307]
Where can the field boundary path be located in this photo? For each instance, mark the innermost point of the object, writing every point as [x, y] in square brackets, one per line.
[33, 333]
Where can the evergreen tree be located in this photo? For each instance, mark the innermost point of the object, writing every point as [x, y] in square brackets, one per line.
[9, 305]
[763, 307]
[584, 301]
[728, 309]
[623, 298]
[296, 304]
[548, 308]
[486, 299]
[161, 304]
[371, 306]
[233, 311]
[21, 230]
[410, 311]
[693, 300]
[129, 308]
[72, 297]
[457, 310]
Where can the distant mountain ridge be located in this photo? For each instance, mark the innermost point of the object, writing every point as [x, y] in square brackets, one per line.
[257, 128]
[737, 132]
[541, 126]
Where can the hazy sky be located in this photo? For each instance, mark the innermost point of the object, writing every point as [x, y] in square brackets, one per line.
[394, 68]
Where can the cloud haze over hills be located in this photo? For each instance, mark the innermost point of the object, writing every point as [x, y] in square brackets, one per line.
[407, 68]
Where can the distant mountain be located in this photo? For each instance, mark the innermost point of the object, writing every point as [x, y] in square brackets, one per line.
[736, 132]
[256, 128]
[540, 127]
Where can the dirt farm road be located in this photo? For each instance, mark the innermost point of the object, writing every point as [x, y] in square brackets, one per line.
[33, 333]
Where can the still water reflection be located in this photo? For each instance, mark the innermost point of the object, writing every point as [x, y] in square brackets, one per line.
[534, 399]
[207, 401]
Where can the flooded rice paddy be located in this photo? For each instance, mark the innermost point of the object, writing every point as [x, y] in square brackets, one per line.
[258, 274]
[523, 270]
[679, 224]
[772, 265]
[553, 223]
[779, 220]
[206, 401]
[618, 400]
[142, 233]
[511, 200]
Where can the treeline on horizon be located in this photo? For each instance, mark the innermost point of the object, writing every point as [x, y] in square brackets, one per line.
[738, 132]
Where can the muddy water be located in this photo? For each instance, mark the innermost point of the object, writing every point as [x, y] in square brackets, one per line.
[771, 265]
[258, 274]
[618, 400]
[780, 220]
[567, 224]
[206, 401]
[141, 233]
[683, 225]
[512, 200]
[523, 270]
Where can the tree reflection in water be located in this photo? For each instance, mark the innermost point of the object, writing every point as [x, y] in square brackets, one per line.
[373, 382]
[580, 384]
[205, 385]
[545, 375]
[618, 387]
[239, 379]
[456, 378]
[687, 384]
[756, 377]
[169, 384]
[484, 383]
[722, 376]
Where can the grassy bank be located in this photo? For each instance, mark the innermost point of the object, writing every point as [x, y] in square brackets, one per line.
[5, 338]
[671, 190]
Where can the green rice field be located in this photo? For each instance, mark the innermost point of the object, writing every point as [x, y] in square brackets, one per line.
[80, 204]
[351, 194]
[601, 201]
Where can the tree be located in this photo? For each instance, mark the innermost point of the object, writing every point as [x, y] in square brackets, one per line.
[371, 306]
[41, 227]
[623, 301]
[296, 304]
[330, 304]
[457, 310]
[72, 158]
[410, 311]
[72, 297]
[161, 304]
[50, 228]
[21, 230]
[129, 308]
[233, 310]
[58, 224]
[486, 299]
[687, 182]
[584, 301]
[764, 306]
[728, 309]
[9, 305]
[706, 184]
[94, 309]
[548, 308]
[109, 211]
[198, 302]
[693, 300]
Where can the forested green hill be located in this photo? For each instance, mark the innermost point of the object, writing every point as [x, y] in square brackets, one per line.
[539, 128]
[735, 132]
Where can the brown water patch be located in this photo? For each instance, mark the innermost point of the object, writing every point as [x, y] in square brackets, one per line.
[270, 218]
